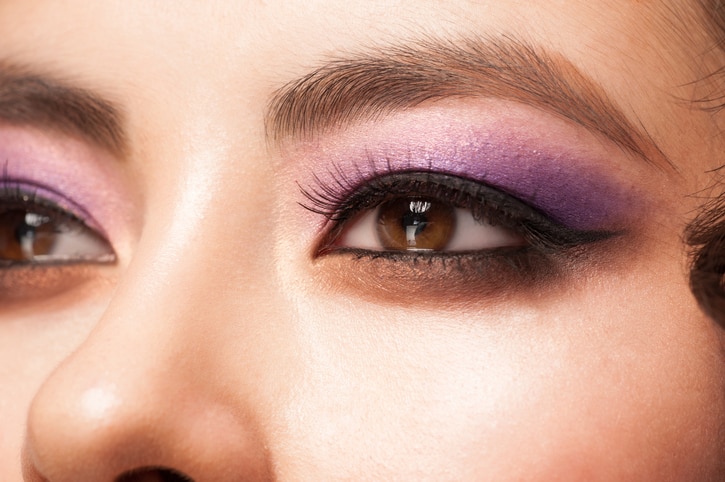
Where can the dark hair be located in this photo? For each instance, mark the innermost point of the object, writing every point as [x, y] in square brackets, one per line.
[715, 25]
[715, 11]
[706, 233]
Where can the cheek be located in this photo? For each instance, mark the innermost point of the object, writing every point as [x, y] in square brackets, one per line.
[620, 381]
[615, 375]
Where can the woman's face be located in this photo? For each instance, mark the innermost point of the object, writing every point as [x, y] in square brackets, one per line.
[355, 241]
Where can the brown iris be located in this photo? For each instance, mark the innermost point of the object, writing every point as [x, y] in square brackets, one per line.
[25, 235]
[415, 224]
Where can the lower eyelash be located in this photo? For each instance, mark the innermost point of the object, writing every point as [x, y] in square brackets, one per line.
[521, 260]
[442, 281]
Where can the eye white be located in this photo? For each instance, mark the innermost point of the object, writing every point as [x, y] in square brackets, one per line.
[469, 234]
[70, 242]
[77, 244]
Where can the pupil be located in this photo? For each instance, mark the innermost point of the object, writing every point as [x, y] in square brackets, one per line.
[26, 232]
[23, 232]
[415, 224]
[415, 221]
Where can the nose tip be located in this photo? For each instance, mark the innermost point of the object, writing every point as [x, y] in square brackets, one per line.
[102, 436]
[129, 420]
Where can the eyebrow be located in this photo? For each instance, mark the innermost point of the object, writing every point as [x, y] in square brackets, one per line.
[368, 86]
[29, 98]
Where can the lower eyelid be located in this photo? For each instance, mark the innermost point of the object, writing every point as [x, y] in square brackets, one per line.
[439, 281]
[435, 282]
[22, 284]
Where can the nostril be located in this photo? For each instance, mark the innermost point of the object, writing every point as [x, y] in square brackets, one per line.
[154, 475]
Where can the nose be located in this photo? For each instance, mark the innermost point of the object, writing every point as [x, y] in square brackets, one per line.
[145, 397]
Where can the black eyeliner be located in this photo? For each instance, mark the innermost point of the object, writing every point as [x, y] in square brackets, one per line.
[485, 203]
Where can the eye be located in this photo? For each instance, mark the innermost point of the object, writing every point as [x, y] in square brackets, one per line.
[409, 223]
[436, 214]
[437, 239]
[35, 231]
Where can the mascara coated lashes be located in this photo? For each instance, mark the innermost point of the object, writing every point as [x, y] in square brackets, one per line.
[341, 202]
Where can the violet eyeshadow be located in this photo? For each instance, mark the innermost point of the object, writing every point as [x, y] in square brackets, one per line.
[559, 185]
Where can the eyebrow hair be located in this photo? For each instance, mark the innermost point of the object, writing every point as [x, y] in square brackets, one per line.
[28, 98]
[400, 77]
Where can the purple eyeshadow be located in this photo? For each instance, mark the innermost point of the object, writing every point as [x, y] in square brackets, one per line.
[62, 172]
[38, 192]
[575, 199]
[560, 185]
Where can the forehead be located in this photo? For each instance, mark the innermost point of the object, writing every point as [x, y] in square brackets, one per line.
[233, 56]
[278, 29]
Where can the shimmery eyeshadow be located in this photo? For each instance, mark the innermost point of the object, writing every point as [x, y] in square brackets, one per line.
[38, 191]
[63, 171]
[564, 175]
[577, 200]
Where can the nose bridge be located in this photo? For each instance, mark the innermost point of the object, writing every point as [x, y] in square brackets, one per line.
[147, 388]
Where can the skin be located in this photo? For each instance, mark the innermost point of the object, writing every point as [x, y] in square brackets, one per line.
[219, 346]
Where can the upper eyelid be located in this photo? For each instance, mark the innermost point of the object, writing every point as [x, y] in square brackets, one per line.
[76, 175]
[551, 165]
[328, 200]
[31, 192]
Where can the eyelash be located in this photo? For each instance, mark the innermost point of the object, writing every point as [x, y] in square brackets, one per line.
[16, 195]
[341, 200]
